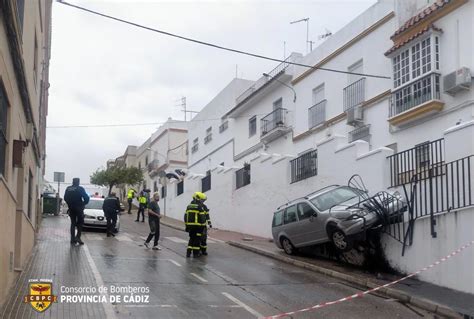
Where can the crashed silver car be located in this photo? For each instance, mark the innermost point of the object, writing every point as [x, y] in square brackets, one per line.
[337, 214]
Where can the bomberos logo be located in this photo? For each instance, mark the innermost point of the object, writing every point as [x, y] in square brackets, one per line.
[40, 295]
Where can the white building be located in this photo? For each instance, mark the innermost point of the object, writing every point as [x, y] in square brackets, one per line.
[405, 108]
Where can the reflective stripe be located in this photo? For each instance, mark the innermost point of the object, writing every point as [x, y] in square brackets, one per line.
[203, 246]
[199, 235]
[193, 224]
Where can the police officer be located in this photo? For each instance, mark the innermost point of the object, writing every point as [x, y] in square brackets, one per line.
[207, 223]
[130, 195]
[194, 218]
[76, 199]
[111, 208]
[142, 202]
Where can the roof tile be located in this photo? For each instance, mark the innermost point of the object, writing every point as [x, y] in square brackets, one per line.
[413, 37]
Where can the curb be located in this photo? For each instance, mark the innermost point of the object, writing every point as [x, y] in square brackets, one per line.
[389, 292]
[171, 225]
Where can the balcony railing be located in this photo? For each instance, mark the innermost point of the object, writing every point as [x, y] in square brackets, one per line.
[273, 120]
[208, 138]
[153, 165]
[195, 148]
[360, 133]
[423, 90]
[354, 94]
[263, 80]
[418, 161]
[304, 166]
[317, 114]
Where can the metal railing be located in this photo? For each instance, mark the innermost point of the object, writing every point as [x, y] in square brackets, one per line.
[317, 114]
[273, 120]
[208, 138]
[415, 161]
[304, 166]
[194, 148]
[354, 94]
[206, 183]
[409, 96]
[223, 126]
[242, 177]
[360, 133]
[280, 68]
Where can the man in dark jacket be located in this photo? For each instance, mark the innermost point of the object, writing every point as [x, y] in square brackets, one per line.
[111, 208]
[76, 199]
[154, 216]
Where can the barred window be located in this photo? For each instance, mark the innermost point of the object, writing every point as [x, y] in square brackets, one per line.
[242, 176]
[304, 166]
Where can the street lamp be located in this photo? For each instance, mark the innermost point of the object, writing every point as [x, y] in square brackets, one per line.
[282, 83]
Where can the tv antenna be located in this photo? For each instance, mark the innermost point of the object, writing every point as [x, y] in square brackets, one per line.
[325, 35]
[307, 33]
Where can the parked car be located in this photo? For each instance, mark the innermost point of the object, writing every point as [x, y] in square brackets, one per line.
[337, 214]
[94, 215]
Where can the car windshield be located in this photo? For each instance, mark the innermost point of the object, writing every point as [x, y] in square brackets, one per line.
[335, 197]
[94, 204]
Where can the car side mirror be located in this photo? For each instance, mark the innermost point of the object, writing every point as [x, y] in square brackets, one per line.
[314, 214]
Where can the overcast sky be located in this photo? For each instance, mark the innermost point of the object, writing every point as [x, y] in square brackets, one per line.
[105, 72]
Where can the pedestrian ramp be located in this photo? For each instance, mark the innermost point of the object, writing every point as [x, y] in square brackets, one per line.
[183, 241]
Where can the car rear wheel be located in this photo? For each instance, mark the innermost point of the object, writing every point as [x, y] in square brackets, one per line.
[340, 240]
[288, 246]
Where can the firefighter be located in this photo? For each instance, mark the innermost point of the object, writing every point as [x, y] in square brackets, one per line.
[130, 195]
[195, 219]
[143, 203]
[207, 223]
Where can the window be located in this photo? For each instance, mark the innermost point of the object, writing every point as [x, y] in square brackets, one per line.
[30, 195]
[146, 160]
[290, 215]
[163, 192]
[304, 166]
[243, 176]
[139, 165]
[416, 60]
[155, 186]
[357, 67]
[35, 62]
[179, 188]
[334, 197]
[223, 126]
[208, 137]
[422, 154]
[20, 12]
[278, 218]
[278, 104]
[195, 147]
[426, 55]
[3, 128]
[206, 182]
[305, 211]
[318, 94]
[405, 66]
[252, 126]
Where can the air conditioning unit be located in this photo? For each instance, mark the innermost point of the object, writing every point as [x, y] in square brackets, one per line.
[458, 80]
[355, 115]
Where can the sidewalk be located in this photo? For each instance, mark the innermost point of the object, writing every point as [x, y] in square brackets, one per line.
[439, 300]
[53, 258]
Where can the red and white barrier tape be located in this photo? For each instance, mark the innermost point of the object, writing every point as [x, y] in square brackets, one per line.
[362, 294]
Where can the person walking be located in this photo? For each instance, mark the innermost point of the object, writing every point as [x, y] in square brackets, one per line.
[130, 196]
[111, 208]
[142, 202]
[207, 223]
[154, 216]
[76, 198]
[194, 218]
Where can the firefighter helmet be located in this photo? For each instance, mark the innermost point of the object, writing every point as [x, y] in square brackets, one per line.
[199, 196]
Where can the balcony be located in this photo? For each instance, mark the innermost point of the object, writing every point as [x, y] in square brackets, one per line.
[317, 114]
[152, 167]
[354, 94]
[274, 125]
[361, 133]
[415, 100]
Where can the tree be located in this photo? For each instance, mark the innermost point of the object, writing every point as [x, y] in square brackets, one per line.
[117, 175]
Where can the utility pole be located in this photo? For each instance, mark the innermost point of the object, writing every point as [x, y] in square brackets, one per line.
[183, 105]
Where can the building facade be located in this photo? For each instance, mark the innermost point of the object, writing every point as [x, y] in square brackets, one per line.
[398, 111]
[25, 44]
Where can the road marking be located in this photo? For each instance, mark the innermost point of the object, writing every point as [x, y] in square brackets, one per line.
[177, 240]
[240, 303]
[151, 306]
[109, 311]
[199, 277]
[174, 262]
[216, 240]
[123, 238]
[225, 306]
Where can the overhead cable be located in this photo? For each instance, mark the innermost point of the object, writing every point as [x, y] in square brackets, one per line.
[219, 46]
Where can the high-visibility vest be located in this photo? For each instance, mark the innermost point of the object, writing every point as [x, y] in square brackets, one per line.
[142, 200]
[130, 193]
[195, 215]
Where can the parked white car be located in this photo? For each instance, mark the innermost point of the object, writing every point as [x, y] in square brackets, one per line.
[94, 215]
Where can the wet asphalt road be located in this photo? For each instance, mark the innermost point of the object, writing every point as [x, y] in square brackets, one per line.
[229, 283]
